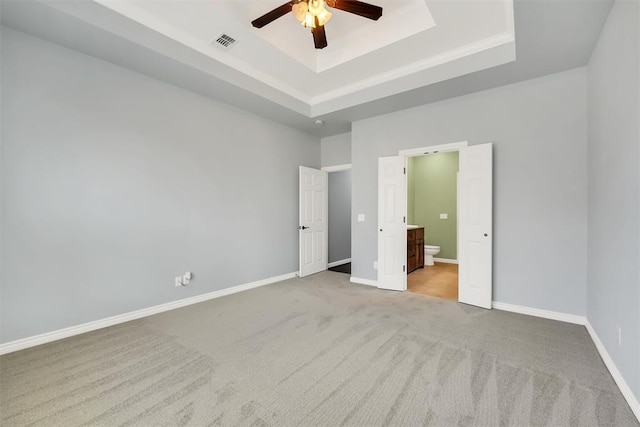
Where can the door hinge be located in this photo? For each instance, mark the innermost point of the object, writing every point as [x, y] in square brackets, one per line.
[403, 268]
[404, 219]
[404, 170]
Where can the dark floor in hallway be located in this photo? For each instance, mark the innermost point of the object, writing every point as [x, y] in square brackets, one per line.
[343, 268]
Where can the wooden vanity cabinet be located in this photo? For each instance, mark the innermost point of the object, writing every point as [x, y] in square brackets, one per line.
[415, 249]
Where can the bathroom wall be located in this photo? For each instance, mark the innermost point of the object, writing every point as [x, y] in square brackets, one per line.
[339, 215]
[539, 132]
[432, 190]
[113, 183]
[613, 285]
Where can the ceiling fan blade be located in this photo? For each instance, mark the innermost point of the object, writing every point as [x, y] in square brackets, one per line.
[319, 36]
[357, 7]
[269, 17]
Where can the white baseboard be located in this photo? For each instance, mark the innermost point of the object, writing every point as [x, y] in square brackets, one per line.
[446, 260]
[336, 263]
[367, 282]
[615, 373]
[23, 343]
[604, 354]
[546, 314]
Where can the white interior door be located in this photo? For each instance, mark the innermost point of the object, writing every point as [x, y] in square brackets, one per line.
[475, 238]
[313, 228]
[392, 228]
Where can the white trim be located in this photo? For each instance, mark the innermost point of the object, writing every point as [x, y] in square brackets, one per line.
[133, 315]
[337, 263]
[460, 60]
[446, 260]
[444, 58]
[337, 168]
[604, 354]
[442, 148]
[138, 14]
[615, 373]
[537, 312]
[367, 282]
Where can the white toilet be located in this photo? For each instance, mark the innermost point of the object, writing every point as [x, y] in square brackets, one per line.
[429, 252]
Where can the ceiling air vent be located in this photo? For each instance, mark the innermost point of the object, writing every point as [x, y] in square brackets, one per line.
[225, 41]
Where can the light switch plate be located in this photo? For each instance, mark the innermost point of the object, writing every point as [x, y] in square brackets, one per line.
[360, 217]
[444, 216]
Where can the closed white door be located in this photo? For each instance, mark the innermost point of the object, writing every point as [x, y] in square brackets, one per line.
[475, 238]
[392, 228]
[313, 227]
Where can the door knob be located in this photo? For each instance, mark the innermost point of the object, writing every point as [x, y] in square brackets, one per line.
[302, 227]
[485, 234]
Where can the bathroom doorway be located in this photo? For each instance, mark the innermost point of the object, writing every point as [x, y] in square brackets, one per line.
[339, 218]
[475, 224]
[432, 205]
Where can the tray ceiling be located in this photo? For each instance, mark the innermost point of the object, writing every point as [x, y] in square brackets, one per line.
[415, 43]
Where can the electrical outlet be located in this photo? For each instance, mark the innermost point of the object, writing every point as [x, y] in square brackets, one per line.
[375, 265]
[178, 282]
[619, 335]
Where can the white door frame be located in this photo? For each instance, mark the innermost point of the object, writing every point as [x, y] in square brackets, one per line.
[433, 149]
[336, 168]
[442, 148]
[330, 169]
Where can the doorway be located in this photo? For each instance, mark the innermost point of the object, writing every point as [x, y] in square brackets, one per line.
[339, 218]
[432, 207]
[475, 233]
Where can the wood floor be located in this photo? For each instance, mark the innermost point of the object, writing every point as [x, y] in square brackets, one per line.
[439, 280]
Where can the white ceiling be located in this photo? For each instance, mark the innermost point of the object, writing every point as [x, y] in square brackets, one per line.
[198, 22]
[351, 36]
[366, 60]
[416, 53]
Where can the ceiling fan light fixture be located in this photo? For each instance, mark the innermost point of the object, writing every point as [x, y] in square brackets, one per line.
[300, 10]
[316, 7]
[306, 13]
[324, 16]
[314, 14]
[309, 20]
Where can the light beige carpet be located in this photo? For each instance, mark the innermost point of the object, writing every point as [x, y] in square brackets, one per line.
[317, 351]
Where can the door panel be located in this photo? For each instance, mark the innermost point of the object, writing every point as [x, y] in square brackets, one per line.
[475, 234]
[392, 229]
[313, 226]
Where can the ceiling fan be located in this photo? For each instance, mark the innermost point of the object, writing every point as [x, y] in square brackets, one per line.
[314, 14]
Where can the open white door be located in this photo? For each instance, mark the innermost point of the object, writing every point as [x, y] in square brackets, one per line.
[475, 238]
[392, 229]
[313, 221]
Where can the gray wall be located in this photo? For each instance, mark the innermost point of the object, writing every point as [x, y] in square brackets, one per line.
[113, 183]
[336, 150]
[339, 215]
[538, 128]
[613, 290]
